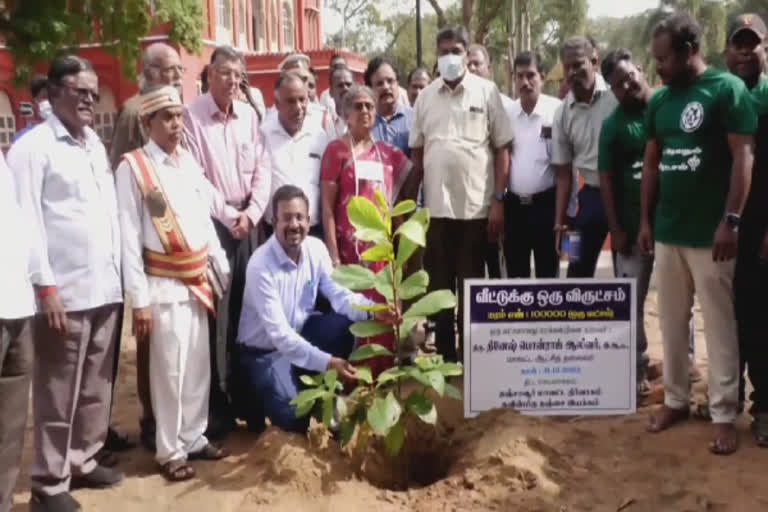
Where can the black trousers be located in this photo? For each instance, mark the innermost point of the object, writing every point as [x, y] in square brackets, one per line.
[591, 222]
[452, 255]
[528, 225]
[750, 287]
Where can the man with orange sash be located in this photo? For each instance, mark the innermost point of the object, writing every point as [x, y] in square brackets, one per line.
[168, 239]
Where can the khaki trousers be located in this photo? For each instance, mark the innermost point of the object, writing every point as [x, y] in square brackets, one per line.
[15, 371]
[72, 387]
[681, 272]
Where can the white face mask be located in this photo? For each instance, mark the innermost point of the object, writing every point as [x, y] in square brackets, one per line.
[45, 109]
[451, 67]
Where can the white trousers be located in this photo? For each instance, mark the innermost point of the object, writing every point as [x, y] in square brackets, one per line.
[179, 376]
[681, 271]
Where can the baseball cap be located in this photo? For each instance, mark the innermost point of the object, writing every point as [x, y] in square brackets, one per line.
[751, 22]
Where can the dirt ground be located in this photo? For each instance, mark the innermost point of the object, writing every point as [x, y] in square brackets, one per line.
[500, 461]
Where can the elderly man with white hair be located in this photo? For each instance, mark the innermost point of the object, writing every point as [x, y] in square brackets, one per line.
[167, 242]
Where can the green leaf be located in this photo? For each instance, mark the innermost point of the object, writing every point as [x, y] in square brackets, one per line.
[389, 375]
[364, 374]
[451, 369]
[368, 351]
[413, 231]
[404, 207]
[382, 282]
[304, 409]
[307, 380]
[379, 195]
[327, 410]
[354, 277]
[452, 391]
[393, 443]
[383, 414]
[436, 381]
[371, 235]
[308, 395]
[376, 308]
[408, 324]
[432, 303]
[405, 249]
[422, 407]
[369, 328]
[427, 363]
[363, 214]
[347, 430]
[330, 378]
[383, 251]
[418, 376]
[415, 285]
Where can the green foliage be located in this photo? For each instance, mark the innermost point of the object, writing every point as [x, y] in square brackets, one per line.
[379, 407]
[38, 30]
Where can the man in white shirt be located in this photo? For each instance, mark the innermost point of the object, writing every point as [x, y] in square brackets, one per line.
[279, 329]
[167, 241]
[296, 148]
[341, 82]
[63, 178]
[17, 306]
[530, 200]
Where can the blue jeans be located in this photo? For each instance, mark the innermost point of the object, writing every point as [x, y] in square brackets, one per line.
[272, 381]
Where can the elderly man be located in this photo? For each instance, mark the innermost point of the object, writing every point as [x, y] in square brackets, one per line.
[326, 99]
[167, 240]
[17, 306]
[296, 148]
[279, 330]
[418, 79]
[223, 136]
[64, 179]
[393, 120]
[160, 65]
[341, 82]
[459, 141]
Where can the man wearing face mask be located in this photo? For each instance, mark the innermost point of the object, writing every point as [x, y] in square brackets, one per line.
[575, 137]
[745, 58]
[620, 161]
[459, 142]
[41, 107]
[280, 333]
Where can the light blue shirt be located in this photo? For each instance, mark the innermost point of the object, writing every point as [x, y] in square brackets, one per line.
[280, 295]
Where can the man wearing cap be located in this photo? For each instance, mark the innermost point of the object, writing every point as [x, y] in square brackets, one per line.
[167, 240]
[745, 58]
[696, 175]
[222, 134]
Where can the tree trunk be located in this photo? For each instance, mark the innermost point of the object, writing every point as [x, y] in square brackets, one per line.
[441, 21]
[467, 9]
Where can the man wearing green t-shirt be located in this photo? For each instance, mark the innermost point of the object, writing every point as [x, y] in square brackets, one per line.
[693, 192]
[745, 57]
[620, 162]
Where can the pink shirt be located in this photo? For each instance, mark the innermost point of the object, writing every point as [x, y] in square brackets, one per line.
[233, 155]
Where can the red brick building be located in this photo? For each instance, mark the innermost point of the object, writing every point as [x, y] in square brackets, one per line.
[264, 30]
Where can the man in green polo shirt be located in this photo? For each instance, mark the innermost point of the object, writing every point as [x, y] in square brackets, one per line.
[696, 175]
[620, 162]
[745, 57]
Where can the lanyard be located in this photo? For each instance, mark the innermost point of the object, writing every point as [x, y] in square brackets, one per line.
[377, 182]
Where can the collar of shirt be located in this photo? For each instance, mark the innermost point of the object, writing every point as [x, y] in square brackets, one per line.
[61, 133]
[282, 259]
[272, 126]
[400, 111]
[466, 81]
[158, 154]
[215, 112]
[600, 88]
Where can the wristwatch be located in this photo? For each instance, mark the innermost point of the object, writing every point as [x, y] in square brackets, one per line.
[499, 196]
[732, 220]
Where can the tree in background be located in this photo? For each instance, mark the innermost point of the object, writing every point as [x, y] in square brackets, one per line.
[38, 30]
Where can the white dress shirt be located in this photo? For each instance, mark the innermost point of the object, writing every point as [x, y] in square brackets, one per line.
[530, 169]
[296, 161]
[186, 190]
[17, 300]
[70, 187]
[280, 295]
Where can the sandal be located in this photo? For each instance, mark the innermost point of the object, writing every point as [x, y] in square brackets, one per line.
[759, 429]
[209, 452]
[177, 470]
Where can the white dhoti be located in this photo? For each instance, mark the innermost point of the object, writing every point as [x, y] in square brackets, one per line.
[180, 378]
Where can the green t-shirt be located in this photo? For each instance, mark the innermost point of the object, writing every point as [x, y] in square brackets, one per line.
[621, 149]
[691, 125]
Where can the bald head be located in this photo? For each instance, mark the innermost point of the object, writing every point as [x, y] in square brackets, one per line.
[161, 65]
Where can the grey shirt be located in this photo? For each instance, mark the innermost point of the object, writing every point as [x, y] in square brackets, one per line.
[576, 131]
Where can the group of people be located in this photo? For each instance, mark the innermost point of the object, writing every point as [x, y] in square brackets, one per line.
[220, 224]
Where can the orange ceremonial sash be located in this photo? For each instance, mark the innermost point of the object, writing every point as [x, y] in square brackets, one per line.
[178, 261]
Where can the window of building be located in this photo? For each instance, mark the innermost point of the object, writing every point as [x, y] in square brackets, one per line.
[224, 21]
[7, 122]
[287, 25]
[242, 24]
[274, 26]
[257, 16]
[105, 115]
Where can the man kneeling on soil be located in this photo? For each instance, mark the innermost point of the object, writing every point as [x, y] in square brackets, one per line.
[280, 333]
[167, 240]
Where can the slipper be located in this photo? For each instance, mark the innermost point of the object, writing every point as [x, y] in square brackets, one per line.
[726, 441]
[209, 452]
[177, 470]
[759, 429]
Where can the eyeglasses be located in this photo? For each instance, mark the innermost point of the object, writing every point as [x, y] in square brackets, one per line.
[367, 105]
[84, 93]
